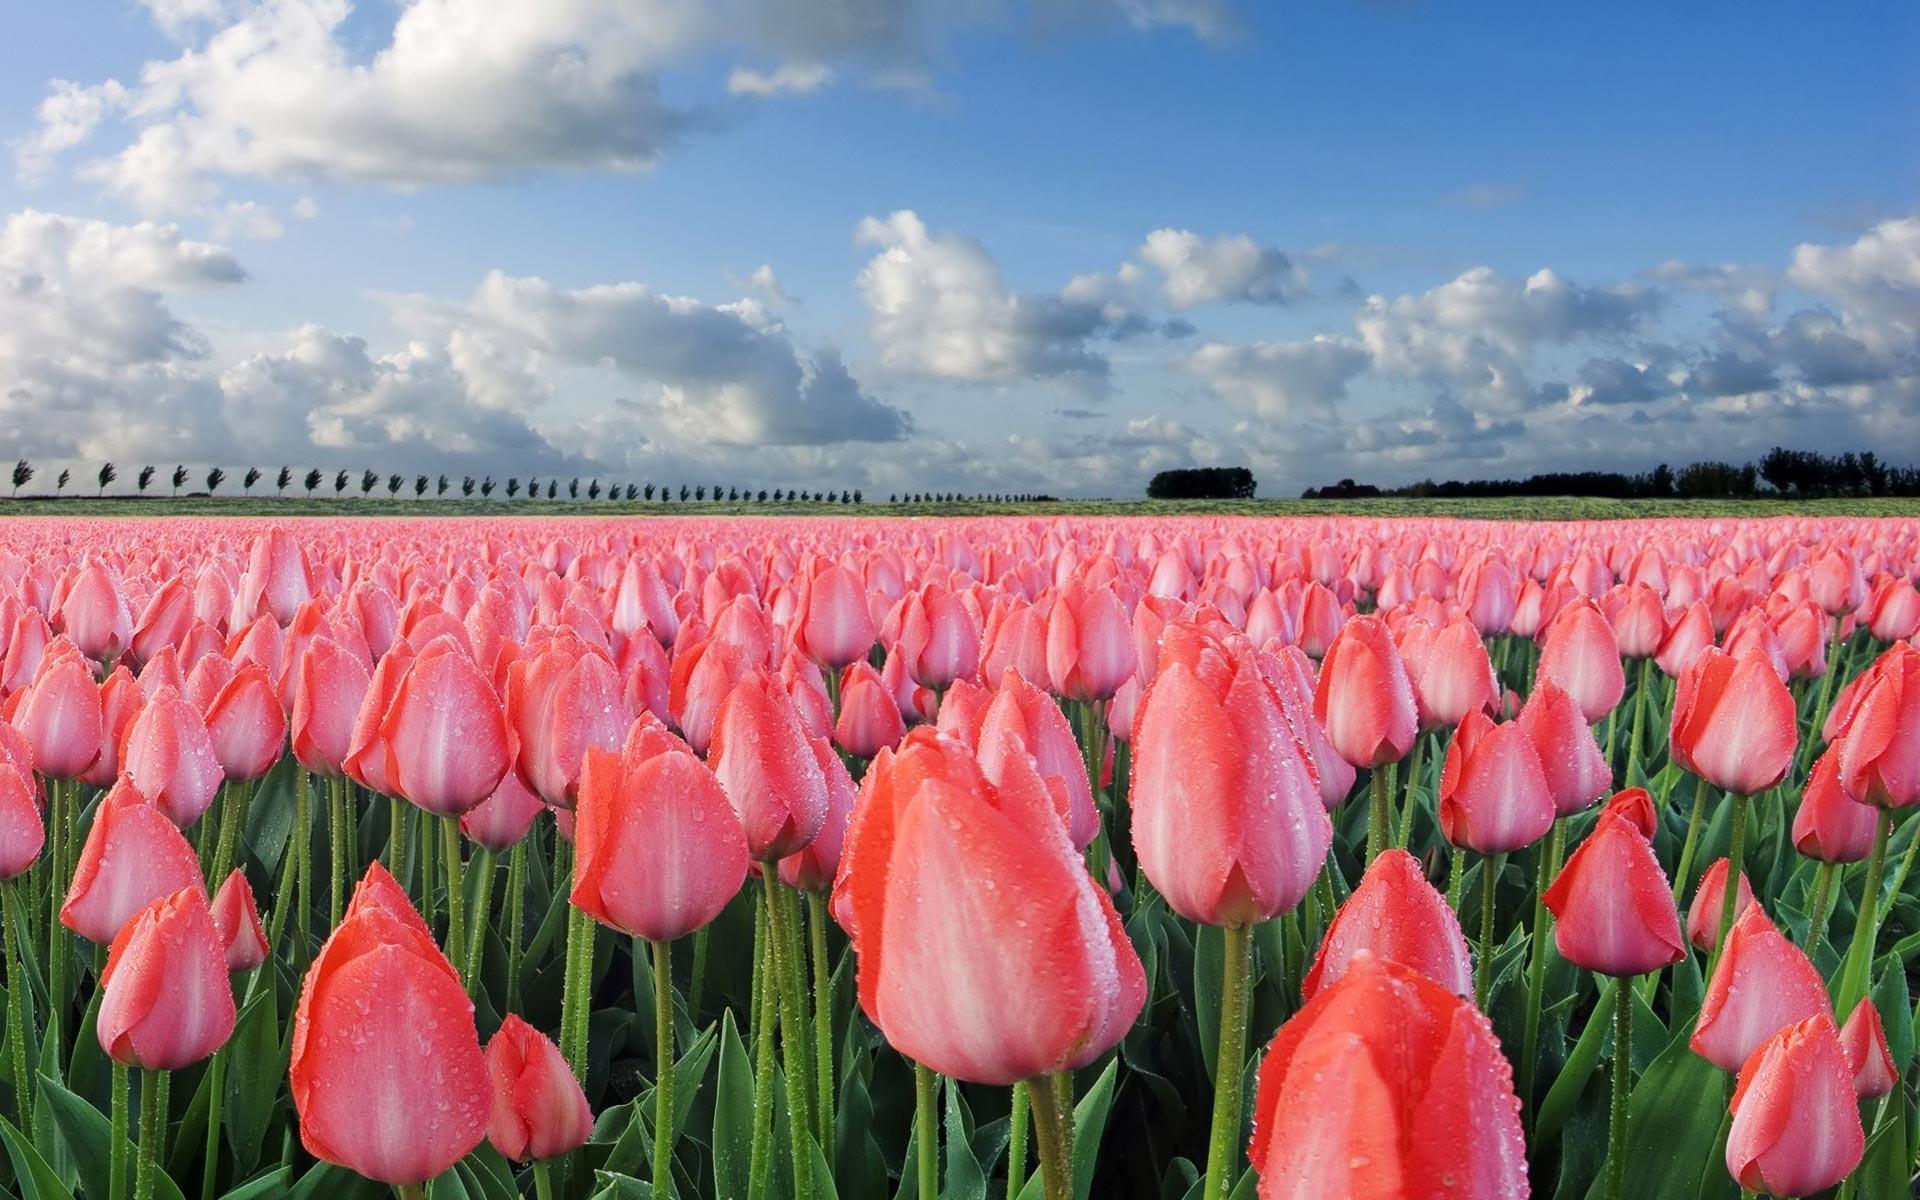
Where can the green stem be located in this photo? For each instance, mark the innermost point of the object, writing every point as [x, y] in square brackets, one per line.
[303, 865]
[1822, 896]
[697, 985]
[16, 1012]
[1053, 1129]
[516, 919]
[1489, 879]
[824, 1077]
[1636, 739]
[765, 1016]
[795, 1047]
[926, 1130]
[423, 837]
[1546, 868]
[1017, 1142]
[663, 1056]
[1853, 982]
[153, 1131]
[1379, 815]
[1413, 784]
[1736, 866]
[122, 1140]
[1681, 871]
[1622, 1087]
[57, 939]
[418, 1191]
[397, 840]
[233, 814]
[1456, 877]
[542, 1181]
[483, 872]
[1223, 1146]
[1826, 695]
[573, 998]
[216, 1095]
[337, 851]
[456, 904]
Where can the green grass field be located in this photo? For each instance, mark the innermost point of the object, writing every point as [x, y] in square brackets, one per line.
[1568, 508]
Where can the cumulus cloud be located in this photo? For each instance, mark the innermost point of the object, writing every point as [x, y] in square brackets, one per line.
[1747, 288]
[1301, 380]
[1196, 270]
[1878, 274]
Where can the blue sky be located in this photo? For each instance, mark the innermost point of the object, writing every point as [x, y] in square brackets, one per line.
[1394, 239]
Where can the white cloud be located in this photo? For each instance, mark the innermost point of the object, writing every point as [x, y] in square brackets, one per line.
[1878, 274]
[793, 79]
[247, 219]
[1747, 288]
[1302, 380]
[67, 117]
[1196, 270]
[766, 285]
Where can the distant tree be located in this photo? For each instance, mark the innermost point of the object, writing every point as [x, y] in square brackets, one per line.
[893, 498]
[441, 485]
[700, 492]
[486, 486]
[369, 479]
[215, 477]
[60, 481]
[513, 487]
[313, 480]
[420, 483]
[466, 485]
[683, 493]
[283, 479]
[573, 488]
[248, 480]
[593, 490]
[859, 497]
[108, 473]
[647, 491]
[1203, 483]
[553, 488]
[533, 489]
[22, 473]
[633, 492]
[763, 495]
[340, 482]
[779, 494]
[394, 483]
[144, 478]
[179, 478]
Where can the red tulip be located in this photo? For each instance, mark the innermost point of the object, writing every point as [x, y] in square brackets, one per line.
[501, 820]
[133, 856]
[1762, 983]
[834, 627]
[1734, 723]
[1493, 790]
[1581, 656]
[869, 719]
[329, 687]
[1023, 720]
[813, 868]
[367, 762]
[1639, 621]
[1830, 825]
[1363, 697]
[985, 950]
[277, 579]
[120, 701]
[1635, 806]
[539, 1111]
[163, 622]
[658, 850]
[59, 712]
[1687, 638]
[1358, 1086]
[22, 830]
[1015, 640]
[1291, 675]
[445, 733]
[1576, 768]
[237, 921]
[934, 636]
[386, 1069]
[761, 757]
[166, 1002]
[561, 703]
[1870, 1058]
[1880, 752]
[1703, 919]
[246, 724]
[1796, 1125]
[1893, 611]
[1836, 584]
[1227, 818]
[1450, 672]
[1089, 643]
[169, 756]
[702, 678]
[94, 614]
[1613, 911]
[1396, 916]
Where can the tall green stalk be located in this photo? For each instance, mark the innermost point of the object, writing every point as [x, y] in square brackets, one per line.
[153, 1132]
[1017, 1124]
[1736, 866]
[122, 1138]
[1866, 927]
[823, 1073]
[482, 874]
[1379, 814]
[1823, 881]
[516, 919]
[926, 1130]
[1413, 784]
[60, 800]
[796, 1049]
[1616, 1177]
[1223, 1144]
[303, 865]
[1636, 737]
[1489, 884]
[233, 814]
[16, 1011]
[1546, 868]
[765, 1017]
[456, 903]
[216, 1098]
[1053, 1129]
[663, 1084]
[336, 851]
[578, 981]
[1684, 868]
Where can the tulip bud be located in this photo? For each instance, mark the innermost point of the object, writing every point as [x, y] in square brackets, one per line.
[1581, 656]
[166, 1001]
[539, 1111]
[1762, 983]
[133, 856]
[1709, 898]
[1864, 1038]
[1089, 643]
[1363, 698]
[1493, 790]
[1613, 911]
[869, 719]
[22, 831]
[237, 921]
[1796, 1124]
[1734, 723]
[761, 757]
[1396, 916]
[1576, 767]
[1880, 754]
[1830, 825]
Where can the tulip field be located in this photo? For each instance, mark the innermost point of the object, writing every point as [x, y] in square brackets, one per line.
[1043, 857]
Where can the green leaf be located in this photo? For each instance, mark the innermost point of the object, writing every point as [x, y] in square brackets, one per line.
[255, 1070]
[1572, 1079]
[615, 1186]
[89, 1136]
[328, 1182]
[1089, 1123]
[270, 815]
[732, 1113]
[37, 1180]
[1884, 1169]
[273, 1183]
[1896, 1011]
[965, 1179]
[1674, 1124]
[1209, 962]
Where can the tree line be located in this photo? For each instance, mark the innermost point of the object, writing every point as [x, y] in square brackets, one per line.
[1780, 474]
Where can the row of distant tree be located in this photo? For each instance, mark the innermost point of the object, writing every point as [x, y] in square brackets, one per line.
[395, 485]
[1782, 473]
